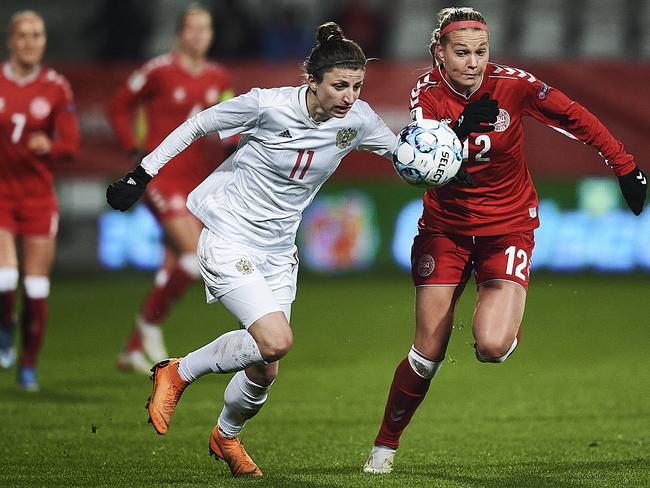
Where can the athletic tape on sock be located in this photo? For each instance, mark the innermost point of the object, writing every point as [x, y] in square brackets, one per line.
[37, 286]
[190, 264]
[161, 278]
[8, 278]
[423, 367]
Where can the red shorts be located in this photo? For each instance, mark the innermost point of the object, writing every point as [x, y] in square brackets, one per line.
[438, 258]
[165, 203]
[30, 217]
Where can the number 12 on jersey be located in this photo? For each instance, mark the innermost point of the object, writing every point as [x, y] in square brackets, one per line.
[482, 141]
[299, 160]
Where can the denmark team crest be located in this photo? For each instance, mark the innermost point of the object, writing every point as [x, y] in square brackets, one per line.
[503, 120]
[344, 137]
[426, 264]
[40, 108]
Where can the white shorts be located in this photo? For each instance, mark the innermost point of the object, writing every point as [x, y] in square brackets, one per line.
[268, 279]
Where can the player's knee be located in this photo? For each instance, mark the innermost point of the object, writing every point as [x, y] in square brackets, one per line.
[37, 286]
[494, 350]
[275, 346]
[264, 378]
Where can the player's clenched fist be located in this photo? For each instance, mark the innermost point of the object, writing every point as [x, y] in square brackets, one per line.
[634, 186]
[123, 193]
[478, 116]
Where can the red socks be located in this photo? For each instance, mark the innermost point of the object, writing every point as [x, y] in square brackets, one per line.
[406, 393]
[161, 298]
[7, 314]
[135, 340]
[33, 326]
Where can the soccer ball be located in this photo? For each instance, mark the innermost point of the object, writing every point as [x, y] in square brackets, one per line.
[428, 153]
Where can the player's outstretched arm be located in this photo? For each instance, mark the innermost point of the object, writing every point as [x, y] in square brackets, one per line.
[123, 193]
[634, 186]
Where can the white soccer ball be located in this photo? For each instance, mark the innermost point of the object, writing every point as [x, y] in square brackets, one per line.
[428, 153]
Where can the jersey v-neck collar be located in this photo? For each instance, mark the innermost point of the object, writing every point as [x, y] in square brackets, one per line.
[11, 76]
[299, 102]
[194, 74]
[442, 77]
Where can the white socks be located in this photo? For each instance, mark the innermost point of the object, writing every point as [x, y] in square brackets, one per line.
[232, 351]
[242, 400]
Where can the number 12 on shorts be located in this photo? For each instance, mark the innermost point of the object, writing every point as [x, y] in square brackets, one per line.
[517, 269]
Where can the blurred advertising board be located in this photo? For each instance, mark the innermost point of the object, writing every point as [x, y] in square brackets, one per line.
[355, 228]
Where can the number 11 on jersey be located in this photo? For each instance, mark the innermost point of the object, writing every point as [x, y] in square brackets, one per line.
[296, 167]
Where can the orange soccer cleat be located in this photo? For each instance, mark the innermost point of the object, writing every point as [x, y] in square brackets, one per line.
[232, 451]
[168, 387]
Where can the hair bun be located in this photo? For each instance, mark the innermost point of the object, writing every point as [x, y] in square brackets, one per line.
[329, 31]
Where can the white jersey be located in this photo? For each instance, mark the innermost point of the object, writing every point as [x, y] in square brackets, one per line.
[283, 159]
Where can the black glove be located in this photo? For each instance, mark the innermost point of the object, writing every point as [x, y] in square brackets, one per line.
[482, 111]
[633, 187]
[124, 192]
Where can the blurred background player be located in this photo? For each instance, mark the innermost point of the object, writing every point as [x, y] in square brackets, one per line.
[296, 138]
[488, 227]
[37, 125]
[170, 89]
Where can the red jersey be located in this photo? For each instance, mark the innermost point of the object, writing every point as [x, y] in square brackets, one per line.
[503, 199]
[40, 103]
[169, 95]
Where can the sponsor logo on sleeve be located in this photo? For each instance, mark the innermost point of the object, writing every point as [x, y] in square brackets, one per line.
[136, 81]
[541, 94]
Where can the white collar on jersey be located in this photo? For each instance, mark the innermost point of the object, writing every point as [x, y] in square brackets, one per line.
[442, 75]
[9, 74]
[299, 101]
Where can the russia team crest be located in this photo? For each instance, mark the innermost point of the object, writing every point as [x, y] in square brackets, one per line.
[344, 137]
[244, 266]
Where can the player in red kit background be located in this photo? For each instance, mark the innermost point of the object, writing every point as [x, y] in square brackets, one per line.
[486, 224]
[37, 125]
[170, 88]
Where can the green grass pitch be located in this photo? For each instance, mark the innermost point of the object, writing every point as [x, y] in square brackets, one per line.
[571, 408]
